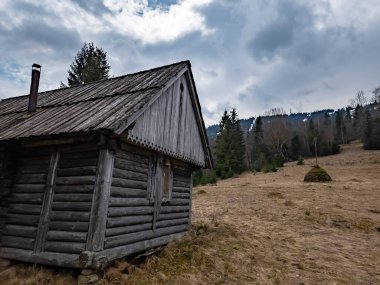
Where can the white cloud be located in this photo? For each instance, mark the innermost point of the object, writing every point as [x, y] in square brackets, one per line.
[136, 19]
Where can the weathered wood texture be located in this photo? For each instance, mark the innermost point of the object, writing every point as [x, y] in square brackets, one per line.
[131, 209]
[72, 201]
[25, 198]
[6, 169]
[169, 125]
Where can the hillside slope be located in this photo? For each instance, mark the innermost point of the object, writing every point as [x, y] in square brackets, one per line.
[265, 229]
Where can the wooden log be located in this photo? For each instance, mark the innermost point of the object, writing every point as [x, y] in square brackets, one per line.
[172, 216]
[101, 259]
[47, 258]
[66, 236]
[76, 180]
[176, 202]
[183, 179]
[69, 163]
[126, 183]
[73, 206]
[65, 247]
[129, 211]
[191, 200]
[174, 209]
[129, 156]
[28, 188]
[181, 189]
[27, 220]
[131, 166]
[32, 169]
[169, 223]
[126, 221]
[129, 229]
[79, 155]
[141, 236]
[30, 198]
[69, 226]
[72, 197]
[101, 195]
[17, 242]
[25, 209]
[70, 216]
[20, 231]
[77, 171]
[46, 205]
[80, 189]
[177, 183]
[127, 192]
[30, 179]
[176, 195]
[126, 202]
[127, 174]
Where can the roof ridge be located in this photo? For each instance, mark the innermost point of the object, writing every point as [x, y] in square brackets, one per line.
[106, 79]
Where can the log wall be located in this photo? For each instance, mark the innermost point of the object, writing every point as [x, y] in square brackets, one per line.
[131, 211]
[72, 201]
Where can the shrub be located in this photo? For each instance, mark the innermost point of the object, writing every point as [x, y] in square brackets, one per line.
[300, 160]
[269, 168]
[203, 177]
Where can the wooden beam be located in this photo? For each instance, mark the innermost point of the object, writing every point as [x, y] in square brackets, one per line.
[46, 204]
[100, 201]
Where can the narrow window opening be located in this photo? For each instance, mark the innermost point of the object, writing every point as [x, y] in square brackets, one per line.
[166, 183]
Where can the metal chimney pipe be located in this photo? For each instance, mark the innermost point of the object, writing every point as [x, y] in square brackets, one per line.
[36, 71]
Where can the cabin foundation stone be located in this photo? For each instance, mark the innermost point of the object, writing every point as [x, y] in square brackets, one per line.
[87, 277]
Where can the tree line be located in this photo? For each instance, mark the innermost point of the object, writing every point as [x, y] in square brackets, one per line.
[276, 137]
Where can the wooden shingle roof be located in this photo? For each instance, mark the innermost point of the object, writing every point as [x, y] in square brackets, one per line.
[101, 105]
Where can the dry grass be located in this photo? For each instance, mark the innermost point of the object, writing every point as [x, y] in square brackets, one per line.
[266, 229]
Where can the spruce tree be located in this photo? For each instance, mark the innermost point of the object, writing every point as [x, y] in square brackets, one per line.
[90, 64]
[238, 143]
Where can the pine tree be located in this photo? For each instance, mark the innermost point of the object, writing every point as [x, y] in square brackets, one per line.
[230, 146]
[90, 64]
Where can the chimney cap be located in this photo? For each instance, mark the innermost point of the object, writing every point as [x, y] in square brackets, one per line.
[35, 65]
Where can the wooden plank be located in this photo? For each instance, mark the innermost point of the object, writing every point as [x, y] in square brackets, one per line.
[46, 205]
[65, 247]
[129, 229]
[141, 236]
[127, 192]
[66, 236]
[129, 211]
[69, 226]
[98, 221]
[126, 221]
[191, 199]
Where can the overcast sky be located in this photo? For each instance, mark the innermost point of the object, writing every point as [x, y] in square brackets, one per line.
[250, 54]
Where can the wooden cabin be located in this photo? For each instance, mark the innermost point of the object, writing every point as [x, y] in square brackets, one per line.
[100, 171]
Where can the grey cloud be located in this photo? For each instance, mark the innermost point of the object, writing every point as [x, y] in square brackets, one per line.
[95, 7]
